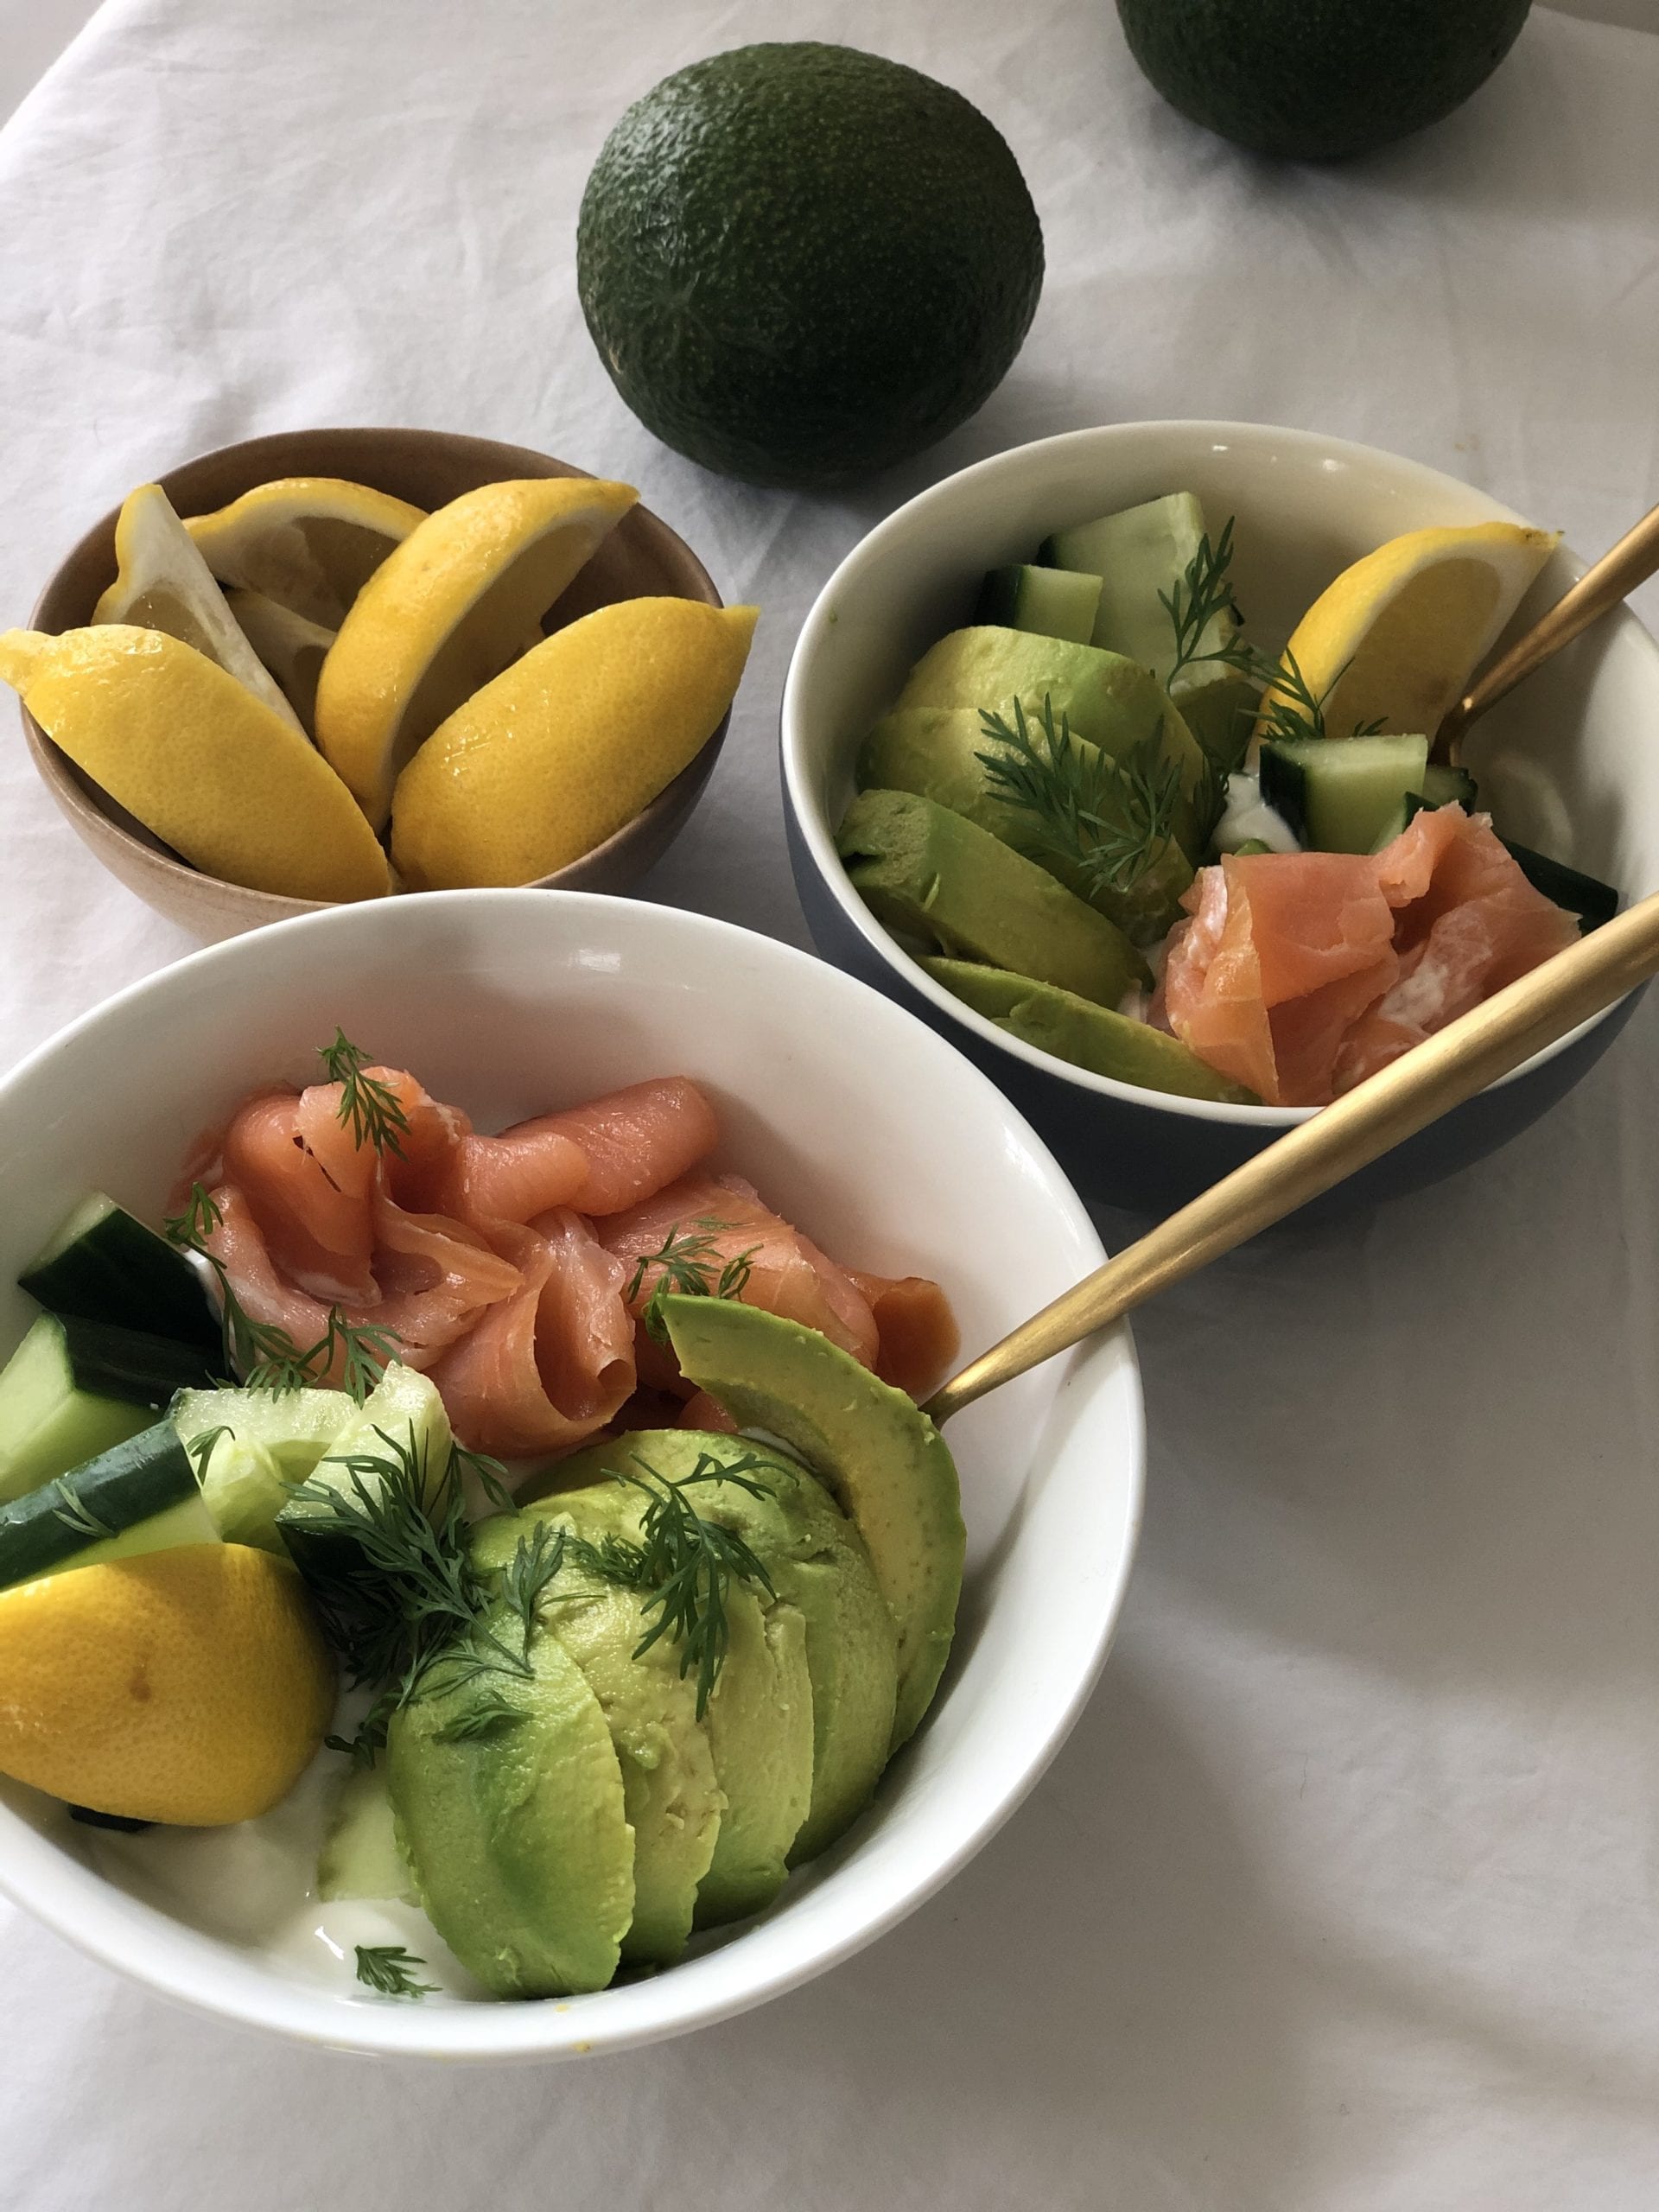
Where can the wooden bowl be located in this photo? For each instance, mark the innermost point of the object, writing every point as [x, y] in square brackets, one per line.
[642, 557]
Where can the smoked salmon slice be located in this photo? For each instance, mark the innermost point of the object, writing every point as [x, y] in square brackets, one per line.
[917, 1335]
[720, 1219]
[310, 1196]
[634, 1141]
[1299, 973]
[547, 1367]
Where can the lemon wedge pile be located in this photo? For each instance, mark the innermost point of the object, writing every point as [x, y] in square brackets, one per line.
[445, 613]
[258, 684]
[190, 1685]
[1394, 641]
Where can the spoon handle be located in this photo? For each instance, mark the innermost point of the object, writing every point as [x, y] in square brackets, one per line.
[1614, 577]
[1381, 1112]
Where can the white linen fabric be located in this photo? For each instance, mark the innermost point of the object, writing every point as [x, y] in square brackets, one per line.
[1342, 1896]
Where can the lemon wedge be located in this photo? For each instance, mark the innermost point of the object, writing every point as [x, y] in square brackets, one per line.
[190, 1685]
[1396, 638]
[310, 543]
[161, 583]
[568, 744]
[236, 789]
[292, 648]
[446, 611]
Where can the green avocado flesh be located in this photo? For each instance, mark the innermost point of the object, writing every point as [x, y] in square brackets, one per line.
[938, 877]
[1091, 1037]
[935, 752]
[1316, 80]
[518, 1838]
[800, 263]
[1109, 701]
[672, 1799]
[878, 1453]
[821, 1574]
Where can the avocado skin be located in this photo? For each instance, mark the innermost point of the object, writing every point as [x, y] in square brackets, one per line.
[801, 263]
[1316, 80]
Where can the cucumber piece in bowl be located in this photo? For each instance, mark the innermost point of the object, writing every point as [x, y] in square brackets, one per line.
[1340, 795]
[141, 1496]
[72, 1389]
[104, 1265]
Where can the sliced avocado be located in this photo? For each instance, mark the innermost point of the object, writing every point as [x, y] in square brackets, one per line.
[880, 1455]
[938, 877]
[1110, 700]
[935, 751]
[515, 1829]
[672, 1797]
[1091, 1037]
[359, 1856]
[820, 1570]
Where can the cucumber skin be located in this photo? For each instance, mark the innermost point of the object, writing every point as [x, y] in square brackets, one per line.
[74, 1389]
[133, 1484]
[119, 1272]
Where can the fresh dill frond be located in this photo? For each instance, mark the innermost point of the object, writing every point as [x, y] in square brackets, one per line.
[1108, 820]
[387, 1558]
[484, 1720]
[688, 1564]
[686, 1262]
[1204, 592]
[388, 1970]
[535, 1563]
[200, 1448]
[262, 1353]
[369, 1107]
[75, 1513]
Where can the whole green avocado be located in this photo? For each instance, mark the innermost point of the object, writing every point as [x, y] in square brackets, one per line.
[802, 263]
[1316, 80]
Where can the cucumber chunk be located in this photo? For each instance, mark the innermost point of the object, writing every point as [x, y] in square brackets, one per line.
[1138, 554]
[1052, 603]
[141, 1496]
[270, 1441]
[72, 1389]
[104, 1265]
[1338, 795]
[1586, 896]
[1443, 786]
[359, 1856]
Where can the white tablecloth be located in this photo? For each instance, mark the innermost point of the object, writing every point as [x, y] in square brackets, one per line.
[1342, 1896]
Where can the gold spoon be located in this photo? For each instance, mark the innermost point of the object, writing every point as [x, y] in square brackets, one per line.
[1422, 1084]
[1613, 578]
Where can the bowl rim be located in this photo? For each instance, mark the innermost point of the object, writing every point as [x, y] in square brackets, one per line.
[69, 786]
[168, 1956]
[820, 842]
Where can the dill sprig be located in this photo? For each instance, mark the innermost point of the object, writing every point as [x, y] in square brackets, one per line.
[75, 1513]
[388, 1970]
[387, 1557]
[262, 1353]
[1204, 592]
[485, 1719]
[686, 1263]
[687, 1564]
[1290, 706]
[368, 1107]
[1108, 820]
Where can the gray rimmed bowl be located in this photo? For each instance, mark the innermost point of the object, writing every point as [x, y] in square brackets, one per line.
[1562, 760]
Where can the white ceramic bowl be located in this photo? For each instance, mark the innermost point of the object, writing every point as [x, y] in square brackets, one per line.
[1564, 760]
[853, 1119]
